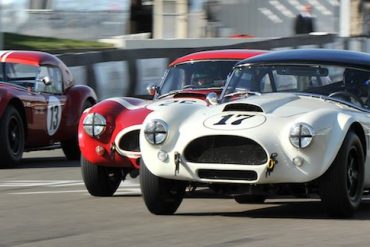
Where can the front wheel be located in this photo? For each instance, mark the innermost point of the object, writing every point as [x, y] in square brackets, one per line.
[341, 187]
[161, 196]
[12, 137]
[101, 180]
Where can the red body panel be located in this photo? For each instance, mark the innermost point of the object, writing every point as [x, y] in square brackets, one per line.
[34, 106]
[122, 114]
[118, 117]
[235, 54]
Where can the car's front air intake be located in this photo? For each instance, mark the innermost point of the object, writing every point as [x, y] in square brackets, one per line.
[227, 174]
[130, 141]
[221, 149]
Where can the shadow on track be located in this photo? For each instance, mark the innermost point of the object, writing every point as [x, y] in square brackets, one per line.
[288, 210]
[47, 162]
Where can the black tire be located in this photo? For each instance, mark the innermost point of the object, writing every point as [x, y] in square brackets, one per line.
[12, 137]
[341, 187]
[161, 196]
[101, 180]
[244, 199]
[70, 147]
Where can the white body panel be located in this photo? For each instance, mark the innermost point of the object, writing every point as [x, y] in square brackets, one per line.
[329, 120]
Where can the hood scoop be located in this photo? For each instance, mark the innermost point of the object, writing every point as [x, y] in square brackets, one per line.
[243, 107]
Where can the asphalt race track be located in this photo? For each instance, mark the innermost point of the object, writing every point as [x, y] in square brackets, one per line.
[43, 202]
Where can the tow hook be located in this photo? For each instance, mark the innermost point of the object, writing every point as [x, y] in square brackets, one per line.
[177, 163]
[271, 165]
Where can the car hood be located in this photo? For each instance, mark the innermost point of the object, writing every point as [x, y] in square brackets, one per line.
[267, 107]
[281, 104]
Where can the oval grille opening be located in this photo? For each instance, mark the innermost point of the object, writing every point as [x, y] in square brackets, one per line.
[130, 141]
[225, 150]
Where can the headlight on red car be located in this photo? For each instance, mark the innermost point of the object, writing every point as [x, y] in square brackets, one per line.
[94, 124]
[301, 135]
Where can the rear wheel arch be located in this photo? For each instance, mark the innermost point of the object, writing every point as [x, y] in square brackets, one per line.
[91, 100]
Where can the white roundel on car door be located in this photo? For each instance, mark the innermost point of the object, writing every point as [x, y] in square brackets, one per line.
[234, 121]
[54, 115]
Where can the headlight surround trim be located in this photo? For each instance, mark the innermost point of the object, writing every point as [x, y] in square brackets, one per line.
[156, 131]
[301, 135]
[94, 124]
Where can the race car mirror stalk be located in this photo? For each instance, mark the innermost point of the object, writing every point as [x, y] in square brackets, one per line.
[212, 98]
[46, 80]
[152, 89]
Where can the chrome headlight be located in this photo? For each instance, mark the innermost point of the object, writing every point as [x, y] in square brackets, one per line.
[156, 131]
[94, 124]
[301, 135]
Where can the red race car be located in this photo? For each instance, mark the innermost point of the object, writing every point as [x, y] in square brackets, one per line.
[109, 131]
[39, 105]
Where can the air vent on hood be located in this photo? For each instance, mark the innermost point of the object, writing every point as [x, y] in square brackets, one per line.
[242, 107]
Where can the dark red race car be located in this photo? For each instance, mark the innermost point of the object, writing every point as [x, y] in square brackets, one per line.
[109, 131]
[39, 105]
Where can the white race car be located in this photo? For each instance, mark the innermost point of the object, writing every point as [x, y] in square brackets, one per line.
[288, 122]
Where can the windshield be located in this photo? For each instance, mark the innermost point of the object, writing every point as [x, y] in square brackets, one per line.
[17, 73]
[196, 75]
[343, 83]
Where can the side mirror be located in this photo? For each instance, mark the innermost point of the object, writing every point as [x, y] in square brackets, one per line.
[152, 89]
[212, 98]
[46, 80]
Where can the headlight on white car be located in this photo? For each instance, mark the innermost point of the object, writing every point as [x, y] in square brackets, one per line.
[156, 131]
[301, 135]
[94, 124]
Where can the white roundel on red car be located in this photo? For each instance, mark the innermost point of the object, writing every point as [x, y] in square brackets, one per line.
[167, 102]
[54, 115]
[234, 121]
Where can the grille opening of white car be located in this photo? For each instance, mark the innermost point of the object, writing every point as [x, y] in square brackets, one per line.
[223, 149]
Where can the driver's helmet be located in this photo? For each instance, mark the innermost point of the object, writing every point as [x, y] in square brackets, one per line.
[353, 76]
[200, 79]
[356, 81]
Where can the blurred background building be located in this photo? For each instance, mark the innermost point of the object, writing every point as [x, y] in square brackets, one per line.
[102, 19]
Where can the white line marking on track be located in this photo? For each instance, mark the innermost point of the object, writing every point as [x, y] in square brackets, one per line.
[134, 191]
[128, 187]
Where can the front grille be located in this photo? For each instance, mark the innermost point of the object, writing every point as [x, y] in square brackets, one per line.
[225, 150]
[227, 174]
[130, 141]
